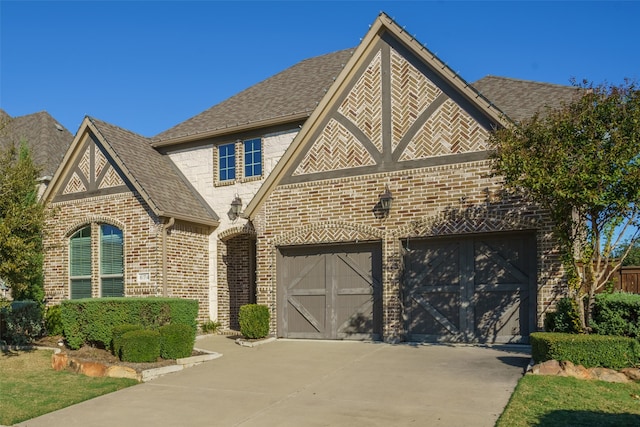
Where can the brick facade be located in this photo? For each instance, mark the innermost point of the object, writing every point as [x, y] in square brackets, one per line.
[187, 249]
[448, 200]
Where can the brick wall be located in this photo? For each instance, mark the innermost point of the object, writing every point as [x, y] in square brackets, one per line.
[187, 249]
[443, 200]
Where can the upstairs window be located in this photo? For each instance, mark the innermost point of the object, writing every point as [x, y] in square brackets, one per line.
[80, 263]
[227, 162]
[253, 158]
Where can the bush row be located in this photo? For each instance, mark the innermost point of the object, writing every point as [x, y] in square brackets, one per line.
[617, 314]
[133, 343]
[590, 351]
[92, 320]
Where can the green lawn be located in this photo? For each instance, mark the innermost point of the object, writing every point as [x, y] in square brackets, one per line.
[547, 401]
[30, 387]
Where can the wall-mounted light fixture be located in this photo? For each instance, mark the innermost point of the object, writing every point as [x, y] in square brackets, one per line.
[385, 201]
[236, 207]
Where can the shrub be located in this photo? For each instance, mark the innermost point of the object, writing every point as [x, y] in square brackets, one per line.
[117, 333]
[176, 341]
[586, 350]
[617, 314]
[254, 321]
[140, 346]
[53, 320]
[92, 320]
[565, 319]
[209, 327]
[23, 322]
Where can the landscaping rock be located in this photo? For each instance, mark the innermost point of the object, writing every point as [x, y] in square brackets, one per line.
[122, 372]
[550, 367]
[609, 375]
[575, 371]
[59, 361]
[93, 369]
[632, 373]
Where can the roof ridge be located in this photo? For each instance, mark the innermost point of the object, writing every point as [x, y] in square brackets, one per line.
[514, 79]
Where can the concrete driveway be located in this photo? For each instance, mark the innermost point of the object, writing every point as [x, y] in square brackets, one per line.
[315, 383]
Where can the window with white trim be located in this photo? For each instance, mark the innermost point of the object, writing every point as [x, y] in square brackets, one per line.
[80, 263]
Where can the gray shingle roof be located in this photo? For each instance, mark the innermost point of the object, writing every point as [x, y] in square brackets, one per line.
[166, 188]
[295, 90]
[46, 138]
[521, 99]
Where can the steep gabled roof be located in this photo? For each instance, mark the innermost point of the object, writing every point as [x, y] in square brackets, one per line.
[152, 175]
[46, 138]
[521, 99]
[290, 95]
[383, 28]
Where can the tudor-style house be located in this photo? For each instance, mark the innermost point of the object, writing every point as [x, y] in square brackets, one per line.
[351, 193]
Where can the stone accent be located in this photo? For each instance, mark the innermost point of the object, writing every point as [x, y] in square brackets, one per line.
[568, 369]
[60, 361]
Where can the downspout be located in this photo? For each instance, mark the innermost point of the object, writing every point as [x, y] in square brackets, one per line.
[165, 281]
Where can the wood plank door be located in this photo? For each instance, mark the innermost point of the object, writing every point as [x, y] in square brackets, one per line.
[330, 292]
[470, 289]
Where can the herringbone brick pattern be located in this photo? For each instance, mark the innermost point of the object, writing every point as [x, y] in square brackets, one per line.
[75, 185]
[110, 179]
[362, 106]
[85, 162]
[450, 130]
[411, 94]
[100, 161]
[336, 148]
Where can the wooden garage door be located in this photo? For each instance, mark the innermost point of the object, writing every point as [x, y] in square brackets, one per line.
[470, 289]
[330, 292]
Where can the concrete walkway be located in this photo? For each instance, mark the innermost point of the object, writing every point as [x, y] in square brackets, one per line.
[315, 383]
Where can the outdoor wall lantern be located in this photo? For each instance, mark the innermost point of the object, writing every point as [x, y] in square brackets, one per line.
[236, 208]
[385, 199]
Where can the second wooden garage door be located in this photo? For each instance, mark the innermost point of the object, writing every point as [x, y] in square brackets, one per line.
[330, 292]
[470, 289]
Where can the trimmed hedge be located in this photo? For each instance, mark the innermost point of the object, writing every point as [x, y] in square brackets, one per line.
[176, 341]
[586, 350]
[92, 320]
[140, 346]
[117, 333]
[254, 321]
[617, 314]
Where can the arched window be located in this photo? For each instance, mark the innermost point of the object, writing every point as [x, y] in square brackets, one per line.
[111, 262]
[80, 263]
[109, 270]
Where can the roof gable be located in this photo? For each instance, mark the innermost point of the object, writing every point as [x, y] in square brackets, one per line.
[46, 138]
[376, 116]
[105, 159]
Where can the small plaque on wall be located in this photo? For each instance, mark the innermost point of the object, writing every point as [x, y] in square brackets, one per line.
[144, 277]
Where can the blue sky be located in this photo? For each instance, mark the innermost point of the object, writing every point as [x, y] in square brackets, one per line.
[148, 65]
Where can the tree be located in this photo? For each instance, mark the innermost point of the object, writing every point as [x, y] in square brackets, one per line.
[632, 253]
[582, 163]
[21, 224]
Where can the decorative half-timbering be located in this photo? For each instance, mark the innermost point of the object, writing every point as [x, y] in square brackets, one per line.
[398, 121]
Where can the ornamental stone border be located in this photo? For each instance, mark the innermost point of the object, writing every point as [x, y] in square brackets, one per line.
[60, 361]
[567, 369]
